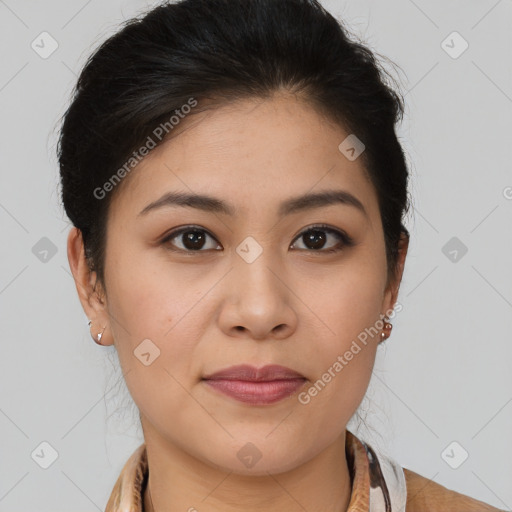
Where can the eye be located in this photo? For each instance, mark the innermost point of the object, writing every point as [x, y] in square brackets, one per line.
[195, 239]
[315, 237]
[191, 239]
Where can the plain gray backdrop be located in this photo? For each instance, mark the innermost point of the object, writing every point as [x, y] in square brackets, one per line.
[442, 385]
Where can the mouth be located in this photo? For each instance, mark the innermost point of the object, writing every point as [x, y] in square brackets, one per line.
[256, 386]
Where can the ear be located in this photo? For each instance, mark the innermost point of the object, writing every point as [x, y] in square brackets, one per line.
[90, 292]
[391, 293]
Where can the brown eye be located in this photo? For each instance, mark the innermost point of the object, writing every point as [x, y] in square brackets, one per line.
[191, 239]
[194, 239]
[316, 237]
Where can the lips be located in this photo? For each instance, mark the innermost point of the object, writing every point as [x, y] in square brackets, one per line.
[256, 386]
[250, 373]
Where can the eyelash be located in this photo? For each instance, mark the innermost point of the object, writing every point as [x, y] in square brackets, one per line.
[345, 240]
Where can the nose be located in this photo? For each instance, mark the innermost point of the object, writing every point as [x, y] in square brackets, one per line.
[258, 302]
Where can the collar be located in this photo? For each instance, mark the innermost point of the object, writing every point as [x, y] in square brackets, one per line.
[378, 482]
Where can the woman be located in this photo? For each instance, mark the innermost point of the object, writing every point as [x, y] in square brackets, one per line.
[238, 191]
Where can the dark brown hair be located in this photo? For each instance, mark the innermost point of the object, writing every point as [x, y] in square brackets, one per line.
[227, 50]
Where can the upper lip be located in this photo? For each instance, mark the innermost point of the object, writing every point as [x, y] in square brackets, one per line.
[250, 373]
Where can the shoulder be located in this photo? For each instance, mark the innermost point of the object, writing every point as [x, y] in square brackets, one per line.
[424, 495]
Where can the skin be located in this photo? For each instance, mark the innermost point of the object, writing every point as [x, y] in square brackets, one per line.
[211, 309]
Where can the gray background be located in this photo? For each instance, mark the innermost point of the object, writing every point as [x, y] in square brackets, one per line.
[443, 376]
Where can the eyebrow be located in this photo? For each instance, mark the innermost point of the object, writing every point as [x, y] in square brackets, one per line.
[287, 207]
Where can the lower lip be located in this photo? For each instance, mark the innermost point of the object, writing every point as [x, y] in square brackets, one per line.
[257, 393]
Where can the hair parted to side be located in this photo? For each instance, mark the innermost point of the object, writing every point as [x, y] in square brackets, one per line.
[224, 50]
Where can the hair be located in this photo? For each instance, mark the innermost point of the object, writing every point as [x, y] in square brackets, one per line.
[224, 50]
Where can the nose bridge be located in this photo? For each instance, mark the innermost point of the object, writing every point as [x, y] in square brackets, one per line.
[257, 300]
[253, 271]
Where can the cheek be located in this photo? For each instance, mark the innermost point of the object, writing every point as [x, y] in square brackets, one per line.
[347, 308]
[344, 360]
[347, 304]
[148, 295]
[150, 299]
[153, 312]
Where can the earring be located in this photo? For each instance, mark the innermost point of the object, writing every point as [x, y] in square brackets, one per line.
[100, 335]
[387, 334]
[97, 338]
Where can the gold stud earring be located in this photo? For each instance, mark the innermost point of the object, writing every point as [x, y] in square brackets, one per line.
[387, 334]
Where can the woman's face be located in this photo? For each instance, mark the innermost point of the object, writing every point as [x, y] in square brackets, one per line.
[253, 285]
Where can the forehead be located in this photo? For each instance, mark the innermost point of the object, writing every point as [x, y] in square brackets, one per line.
[252, 153]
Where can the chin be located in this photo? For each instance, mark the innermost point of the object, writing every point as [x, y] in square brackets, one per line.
[257, 458]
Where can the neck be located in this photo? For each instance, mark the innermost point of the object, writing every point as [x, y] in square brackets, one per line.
[177, 481]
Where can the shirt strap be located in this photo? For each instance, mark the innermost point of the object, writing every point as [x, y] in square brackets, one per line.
[388, 489]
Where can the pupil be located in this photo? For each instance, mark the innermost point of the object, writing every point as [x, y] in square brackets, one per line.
[317, 239]
[193, 240]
